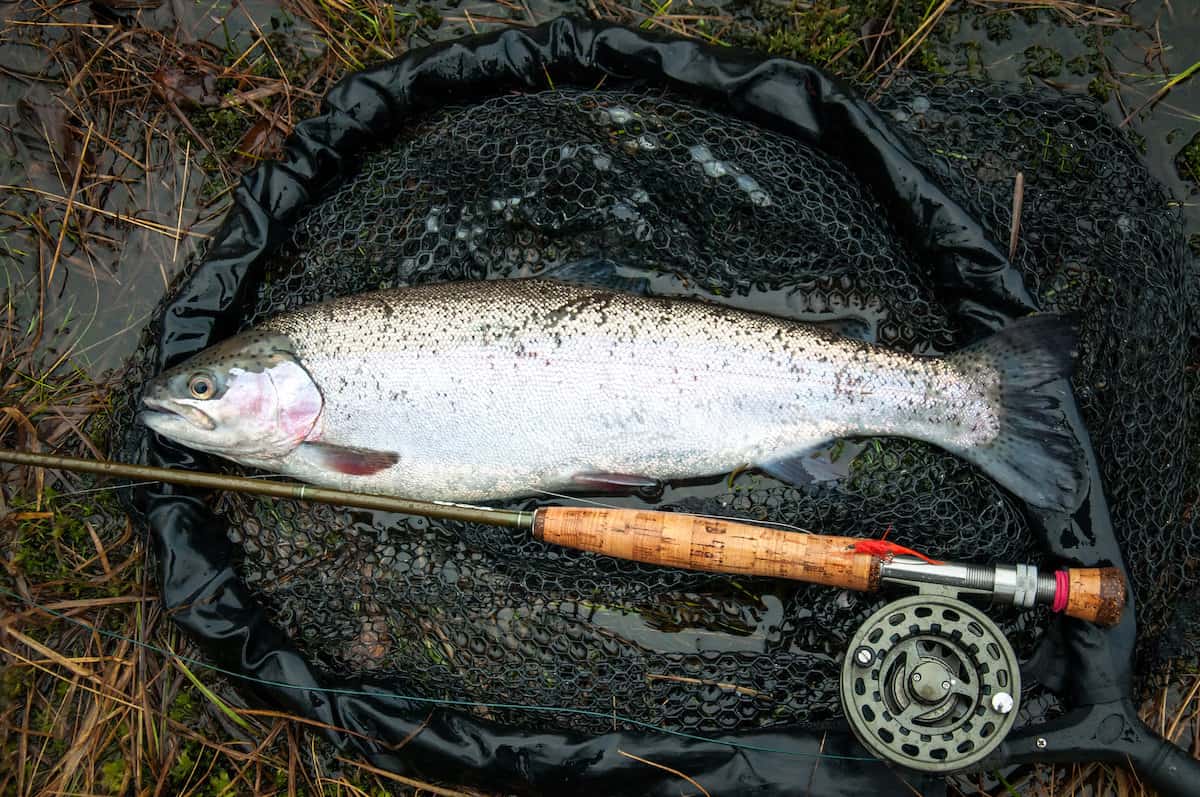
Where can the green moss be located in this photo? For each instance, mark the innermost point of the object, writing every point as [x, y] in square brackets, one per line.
[112, 775]
[1187, 162]
[1030, 15]
[1100, 88]
[817, 44]
[223, 127]
[368, 32]
[1138, 141]
[971, 53]
[1042, 62]
[429, 16]
[42, 544]
[184, 762]
[1081, 65]
[829, 32]
[184, 707]
[192, 761]
[997, 26]
[15, 683]
[219, 784]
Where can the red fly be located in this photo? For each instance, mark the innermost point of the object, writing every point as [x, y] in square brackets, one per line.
[884, 549]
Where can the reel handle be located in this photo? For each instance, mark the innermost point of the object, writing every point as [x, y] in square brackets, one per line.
[719, 546]
[1095, 594]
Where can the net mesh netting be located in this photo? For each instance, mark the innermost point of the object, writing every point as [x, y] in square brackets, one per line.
[716, 207]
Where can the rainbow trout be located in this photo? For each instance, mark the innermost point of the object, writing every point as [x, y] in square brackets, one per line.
[498, 389]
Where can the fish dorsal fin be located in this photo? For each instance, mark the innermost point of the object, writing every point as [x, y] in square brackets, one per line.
[599, 272]
[349, 460]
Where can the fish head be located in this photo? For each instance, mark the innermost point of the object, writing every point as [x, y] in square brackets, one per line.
[249, 399]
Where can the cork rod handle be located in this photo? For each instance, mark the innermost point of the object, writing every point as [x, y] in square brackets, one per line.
[699, 543]
[1095, 594]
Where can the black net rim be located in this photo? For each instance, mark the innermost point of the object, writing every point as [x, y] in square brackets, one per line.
[206, 597]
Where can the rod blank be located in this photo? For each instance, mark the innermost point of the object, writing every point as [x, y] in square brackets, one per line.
[275, 489]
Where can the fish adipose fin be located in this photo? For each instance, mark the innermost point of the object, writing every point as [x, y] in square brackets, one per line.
[349, 460]
[1035, 454]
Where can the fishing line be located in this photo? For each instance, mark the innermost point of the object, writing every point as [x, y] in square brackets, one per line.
[437, 701]
[137, 484]
[755, 521]
[562, 496]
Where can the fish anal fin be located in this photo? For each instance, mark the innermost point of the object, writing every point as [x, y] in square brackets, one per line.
[789, 470]
[349, 460]
[818, 463]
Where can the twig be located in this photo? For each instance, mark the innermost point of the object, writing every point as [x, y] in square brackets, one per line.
[883, 32]
[61, 677]
[1182, 707]
[62, 232]
[741, 690]
[187, 162]
[287, 94]
[53, 655]
[152, 226]
[666, 768]
[112, 38]
[259, 712]
[816, 763]
[912, 43]
[1156, 96]
[383, 773]
[1018, 201]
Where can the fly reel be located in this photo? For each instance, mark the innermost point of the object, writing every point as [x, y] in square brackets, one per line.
[930, 683]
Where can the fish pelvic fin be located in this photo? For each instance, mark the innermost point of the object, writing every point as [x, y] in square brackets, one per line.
[1035, 453]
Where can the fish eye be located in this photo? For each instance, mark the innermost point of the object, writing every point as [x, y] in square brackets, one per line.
[201, 386]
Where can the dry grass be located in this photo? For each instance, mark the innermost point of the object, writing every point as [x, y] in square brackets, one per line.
[96, 695]
[134, 128]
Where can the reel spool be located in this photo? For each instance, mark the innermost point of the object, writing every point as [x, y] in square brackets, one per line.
[930, 683]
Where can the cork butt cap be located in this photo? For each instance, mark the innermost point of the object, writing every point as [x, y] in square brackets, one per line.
[1097, 594]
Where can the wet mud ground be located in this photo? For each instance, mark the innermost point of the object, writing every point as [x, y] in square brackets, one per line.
[165, 104]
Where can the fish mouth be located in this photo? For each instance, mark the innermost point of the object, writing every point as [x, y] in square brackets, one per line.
[157, 413]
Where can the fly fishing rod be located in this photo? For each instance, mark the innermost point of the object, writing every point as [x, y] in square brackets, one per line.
[929, 682]
[691, 542]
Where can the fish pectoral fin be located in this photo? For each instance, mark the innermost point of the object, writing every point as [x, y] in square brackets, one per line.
[350, 460]
[816, 464]
[617, 482]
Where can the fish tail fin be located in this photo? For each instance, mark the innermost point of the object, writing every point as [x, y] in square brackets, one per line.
[1035, 454]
